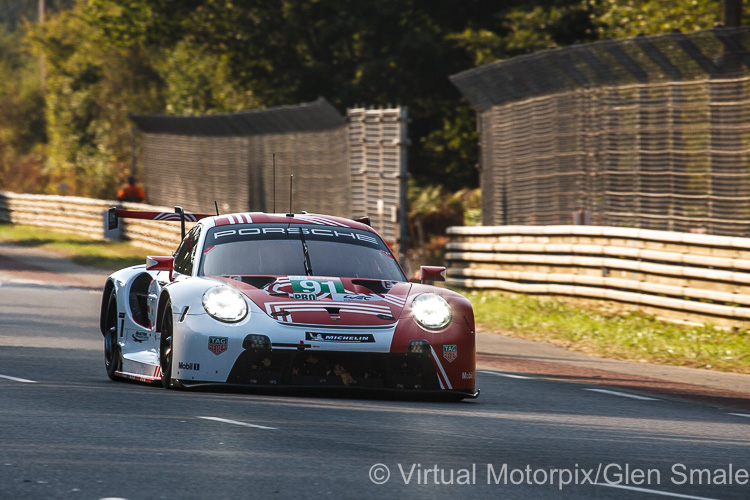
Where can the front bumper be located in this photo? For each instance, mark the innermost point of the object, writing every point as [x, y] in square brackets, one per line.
[292, 369]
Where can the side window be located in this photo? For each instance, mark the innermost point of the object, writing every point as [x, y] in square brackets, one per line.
[184, 257]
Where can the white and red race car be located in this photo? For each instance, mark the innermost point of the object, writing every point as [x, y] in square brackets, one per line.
[285, 300]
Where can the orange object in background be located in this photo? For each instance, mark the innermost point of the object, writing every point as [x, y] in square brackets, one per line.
[131, 192]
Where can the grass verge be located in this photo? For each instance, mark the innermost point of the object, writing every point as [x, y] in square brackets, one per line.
[633, 336]
[80, 249]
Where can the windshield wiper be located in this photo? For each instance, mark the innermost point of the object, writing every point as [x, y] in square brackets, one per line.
[307, 264]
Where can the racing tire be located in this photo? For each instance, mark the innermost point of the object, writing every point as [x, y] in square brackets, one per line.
[112, 354]
[165, 348]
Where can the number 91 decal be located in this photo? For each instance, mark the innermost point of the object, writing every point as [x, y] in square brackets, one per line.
[311, 289]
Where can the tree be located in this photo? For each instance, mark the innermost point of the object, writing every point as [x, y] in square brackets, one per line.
[90, 87]
[22, 128]
[626, 18]
[108, 57]
[214, 56]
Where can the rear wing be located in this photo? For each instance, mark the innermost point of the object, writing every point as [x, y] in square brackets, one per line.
[114, 214]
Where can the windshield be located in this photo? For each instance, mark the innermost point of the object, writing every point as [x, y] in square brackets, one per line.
[279, 249]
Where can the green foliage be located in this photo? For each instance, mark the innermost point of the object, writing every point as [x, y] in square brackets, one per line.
[432, 210]
[454, 146]
[633, 336]
[526, 28]
[13, 13]
[205, 56]
[197, 81]
[90, 87]
[109, 57]
[22, 125]
[625, 18]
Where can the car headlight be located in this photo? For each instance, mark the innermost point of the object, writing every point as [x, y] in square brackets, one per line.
[431, 311]
[225, 304]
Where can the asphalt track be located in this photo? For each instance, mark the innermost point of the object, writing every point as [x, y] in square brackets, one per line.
[66, 431]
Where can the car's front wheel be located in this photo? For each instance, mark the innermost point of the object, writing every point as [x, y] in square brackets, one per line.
[112, 357]
[165, 350]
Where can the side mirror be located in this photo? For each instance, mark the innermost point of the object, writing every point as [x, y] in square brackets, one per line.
[363, 220]
[431, 273]
[160, 264]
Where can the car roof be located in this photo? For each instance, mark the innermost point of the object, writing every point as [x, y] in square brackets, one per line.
[299, 218]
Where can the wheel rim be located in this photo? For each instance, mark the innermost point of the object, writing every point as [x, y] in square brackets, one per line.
[109, 349]
[166, 343]
[110, 337]
[166, 360]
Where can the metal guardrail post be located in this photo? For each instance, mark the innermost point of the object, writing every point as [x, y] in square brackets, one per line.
[403, 189]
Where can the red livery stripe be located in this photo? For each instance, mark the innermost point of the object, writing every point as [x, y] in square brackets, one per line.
[160, 216]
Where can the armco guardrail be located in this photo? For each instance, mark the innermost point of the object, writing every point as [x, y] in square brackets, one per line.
[85, 216]
[678, 276]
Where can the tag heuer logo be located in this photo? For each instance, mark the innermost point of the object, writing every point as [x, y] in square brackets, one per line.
[217, 345]
[450, 352]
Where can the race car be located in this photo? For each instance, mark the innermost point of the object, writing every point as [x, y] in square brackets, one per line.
[285, 300]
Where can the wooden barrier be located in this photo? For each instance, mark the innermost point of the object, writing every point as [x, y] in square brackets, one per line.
[684, 277]
[679, 276]
[86, 216]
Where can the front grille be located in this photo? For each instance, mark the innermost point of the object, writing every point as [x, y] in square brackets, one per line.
[334, 369]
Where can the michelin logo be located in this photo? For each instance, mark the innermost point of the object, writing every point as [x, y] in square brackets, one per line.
[339, 337]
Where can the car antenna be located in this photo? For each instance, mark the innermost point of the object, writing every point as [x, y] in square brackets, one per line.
[291, 181]
[217, 208]
[274, 183]
[181, 213]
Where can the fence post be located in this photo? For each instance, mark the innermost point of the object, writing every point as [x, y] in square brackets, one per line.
[403, 188]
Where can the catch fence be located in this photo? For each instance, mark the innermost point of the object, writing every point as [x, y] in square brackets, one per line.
[195, 161]
[346, 166]
[645, 132]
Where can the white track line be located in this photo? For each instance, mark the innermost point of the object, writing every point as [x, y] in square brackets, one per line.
[19, 281]
[603, 391]
[740, 415]
[507, 375]
[235, 422]
[653, 492]
[16, 379]
[622, 394]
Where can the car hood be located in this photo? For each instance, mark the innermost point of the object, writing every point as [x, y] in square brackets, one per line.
[322, 300]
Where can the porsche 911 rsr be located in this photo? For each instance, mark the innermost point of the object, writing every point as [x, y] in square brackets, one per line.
[295, 300]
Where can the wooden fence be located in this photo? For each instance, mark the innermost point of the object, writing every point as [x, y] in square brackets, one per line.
[86, 216]
[678, 276]
[684, 277]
